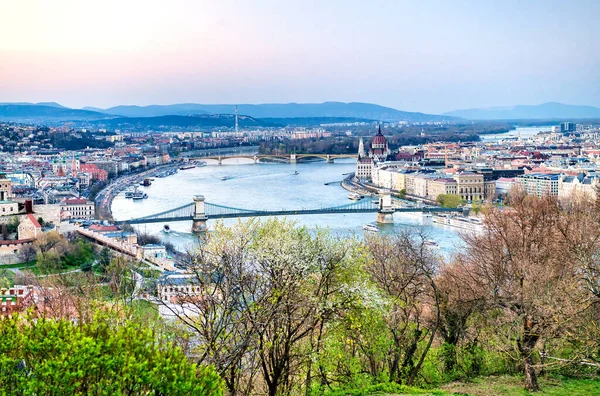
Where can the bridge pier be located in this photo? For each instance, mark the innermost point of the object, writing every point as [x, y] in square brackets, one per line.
[329, 159]
[220, 161]
[385, 215]
[199, 219]
[293, 159]
[255, 159]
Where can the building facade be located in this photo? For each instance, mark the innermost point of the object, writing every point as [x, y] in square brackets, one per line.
[76, 208]
[539, 184]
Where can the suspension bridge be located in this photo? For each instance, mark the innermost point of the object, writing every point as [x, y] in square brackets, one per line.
[200, 211]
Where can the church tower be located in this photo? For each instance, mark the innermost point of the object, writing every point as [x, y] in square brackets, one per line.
[361, 148]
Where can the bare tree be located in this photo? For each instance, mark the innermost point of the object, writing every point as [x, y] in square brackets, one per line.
[404, 268]
[520, 266]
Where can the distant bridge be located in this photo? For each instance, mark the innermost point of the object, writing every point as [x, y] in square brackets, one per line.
[200, 211]
[288, 158]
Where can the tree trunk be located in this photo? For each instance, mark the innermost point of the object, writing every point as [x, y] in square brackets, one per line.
[526, 346]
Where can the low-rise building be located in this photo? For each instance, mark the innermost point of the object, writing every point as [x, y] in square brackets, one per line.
[76, 208]
[29, 228]
[441, 185]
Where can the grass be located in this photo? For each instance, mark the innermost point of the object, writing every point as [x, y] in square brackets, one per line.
[513, 386]
[50, 271]
[485, 386]
[19, 265]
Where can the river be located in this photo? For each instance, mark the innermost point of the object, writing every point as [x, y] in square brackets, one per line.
[522, 132]
[267, 186]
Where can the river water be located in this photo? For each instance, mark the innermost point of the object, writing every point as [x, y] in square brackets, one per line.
[522, 132]
[266, 186]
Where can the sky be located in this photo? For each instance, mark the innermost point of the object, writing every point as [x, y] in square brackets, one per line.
[429, 56]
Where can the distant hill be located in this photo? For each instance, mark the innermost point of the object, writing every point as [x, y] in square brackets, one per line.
[169, 121]
[155, 110]
[36, 112]
[550, 110]
[279, 110]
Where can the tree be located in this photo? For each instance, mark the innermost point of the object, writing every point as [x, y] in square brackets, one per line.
[450, 200]
[41, 221]
[27, 253]
[100, 356]
[403, 268]
[521, 268]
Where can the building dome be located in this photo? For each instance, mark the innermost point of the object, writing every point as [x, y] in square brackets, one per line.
[379, 141]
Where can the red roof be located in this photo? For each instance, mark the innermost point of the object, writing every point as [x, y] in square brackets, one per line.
[75, 201]
[34, 220]
[103, 228]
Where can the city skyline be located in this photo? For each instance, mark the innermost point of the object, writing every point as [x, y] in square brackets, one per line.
[431, 57]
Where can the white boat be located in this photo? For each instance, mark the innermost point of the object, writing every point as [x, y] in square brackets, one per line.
[371, 228]
[166, 229]
[464, 223]
[137, 195]
[224, 178]
[354, 196]
[431, 243]
[295, 172]
[128, 194]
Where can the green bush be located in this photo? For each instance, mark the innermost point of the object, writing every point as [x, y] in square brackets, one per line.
[40, 356]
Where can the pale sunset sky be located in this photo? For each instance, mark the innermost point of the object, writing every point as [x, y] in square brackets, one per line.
[429, 56]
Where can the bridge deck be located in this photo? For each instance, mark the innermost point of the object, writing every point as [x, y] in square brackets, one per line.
[176, 215]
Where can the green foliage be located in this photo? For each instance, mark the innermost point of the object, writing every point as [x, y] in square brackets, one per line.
[384, 388]
[13, 225]
[450, 200]
[81, 254]
[102, 357]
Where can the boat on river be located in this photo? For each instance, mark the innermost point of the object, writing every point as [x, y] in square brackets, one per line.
[138, 195]
[166, 229]
[355, 196]
[464, 223]
[371, 228]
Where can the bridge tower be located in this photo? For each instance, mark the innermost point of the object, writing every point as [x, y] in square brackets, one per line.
[199, 218]
[293, 159]
[386, 210]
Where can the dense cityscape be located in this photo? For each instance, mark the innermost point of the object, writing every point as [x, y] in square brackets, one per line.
[299, 198]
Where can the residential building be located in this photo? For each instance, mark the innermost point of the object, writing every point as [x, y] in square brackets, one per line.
[539, 184]
[441, 185]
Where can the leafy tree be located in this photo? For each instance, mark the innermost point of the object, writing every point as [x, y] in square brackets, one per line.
[450, 200]
[80, 253]
[102, 356]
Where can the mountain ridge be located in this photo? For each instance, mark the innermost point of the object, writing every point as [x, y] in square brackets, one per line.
[548, 110]
[279, 110]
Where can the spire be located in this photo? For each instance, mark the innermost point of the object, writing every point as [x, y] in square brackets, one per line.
[361, 148]
[379, 133]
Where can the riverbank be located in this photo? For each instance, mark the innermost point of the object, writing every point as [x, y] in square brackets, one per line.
[107, 194]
